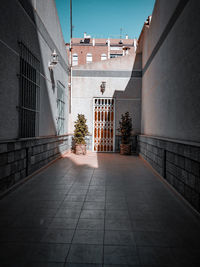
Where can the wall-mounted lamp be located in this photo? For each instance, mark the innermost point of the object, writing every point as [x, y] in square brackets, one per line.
[103, 87]
[54, 60]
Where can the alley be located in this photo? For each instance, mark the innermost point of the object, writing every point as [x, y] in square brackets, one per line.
[97, 210]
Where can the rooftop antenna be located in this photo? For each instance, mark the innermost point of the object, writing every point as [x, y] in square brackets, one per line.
[71, 27]
[120, 33]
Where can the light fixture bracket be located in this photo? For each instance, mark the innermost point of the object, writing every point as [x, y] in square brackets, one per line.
[103, 87]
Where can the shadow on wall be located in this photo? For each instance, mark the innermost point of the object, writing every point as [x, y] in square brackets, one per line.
[35, 46]
[24, 156]
[130, 100]
[106, 123]
[48, 89]
[127, 100]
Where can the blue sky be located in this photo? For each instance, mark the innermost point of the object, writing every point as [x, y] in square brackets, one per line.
[104, 18]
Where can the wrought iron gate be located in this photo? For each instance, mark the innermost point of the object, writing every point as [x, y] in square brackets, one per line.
[104, 124]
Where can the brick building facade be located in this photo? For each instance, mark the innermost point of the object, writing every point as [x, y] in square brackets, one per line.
[87, 49]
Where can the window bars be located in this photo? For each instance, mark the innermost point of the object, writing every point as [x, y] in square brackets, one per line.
[29, 93]
[60, 108]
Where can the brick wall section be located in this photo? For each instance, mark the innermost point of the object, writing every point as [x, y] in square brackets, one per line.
[99, 48]
[96, 52]
[178, 163]
[19, 159]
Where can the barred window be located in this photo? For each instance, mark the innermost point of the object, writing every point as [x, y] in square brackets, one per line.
[60, 108]
[29, 93]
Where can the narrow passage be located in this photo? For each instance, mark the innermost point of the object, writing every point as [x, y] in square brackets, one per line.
[97, 210]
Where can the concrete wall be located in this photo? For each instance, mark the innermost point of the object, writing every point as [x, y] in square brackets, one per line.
[38, 28]
[123, 82]
[170, 83]
[170, 122]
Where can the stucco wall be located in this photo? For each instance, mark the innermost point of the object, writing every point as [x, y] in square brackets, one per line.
[121, 83]
[170, 84]
[30, 26]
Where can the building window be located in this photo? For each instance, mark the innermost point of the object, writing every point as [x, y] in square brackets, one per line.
[115, 55]
[60, 108]
[29, 93]
[74, 60]
[103, 57]
[89, 58]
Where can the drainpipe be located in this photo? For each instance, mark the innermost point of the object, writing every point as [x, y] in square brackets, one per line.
[135, 44]
[70, 49]
[108, 41]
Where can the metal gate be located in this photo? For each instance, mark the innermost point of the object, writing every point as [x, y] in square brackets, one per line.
[104, 124]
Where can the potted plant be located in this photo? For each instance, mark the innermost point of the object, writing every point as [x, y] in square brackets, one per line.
[80, 131]
[125, 128]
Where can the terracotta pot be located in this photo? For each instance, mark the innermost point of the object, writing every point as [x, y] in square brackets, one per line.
[80, 149]
[125, 149]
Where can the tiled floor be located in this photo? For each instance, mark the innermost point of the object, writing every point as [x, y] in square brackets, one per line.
[97, 210]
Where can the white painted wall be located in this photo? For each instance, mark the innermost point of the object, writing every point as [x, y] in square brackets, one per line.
[126, 90]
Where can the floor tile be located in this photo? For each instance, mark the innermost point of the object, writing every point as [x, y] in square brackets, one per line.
[119, 238]
[78, 191]
[156, 256]
[123, 265]
[92, 214]
[82, 265]
[73, 198]
[118, 225]
[50, 252]
[186, 256]
[15, 264]
[15, 252]
[68, 213]
[155, 238]
[88, 237]
[44, 264]
[117, 214]
[95, 198]
[93, 205]
[116, 206]
[32, 222]
[85, 254]
[45, 204]
[148, 225]
[91, 224]
[97, 187]
[64, 223]
[71, 205]
[58, 236]
[41, 212]
[120, 255]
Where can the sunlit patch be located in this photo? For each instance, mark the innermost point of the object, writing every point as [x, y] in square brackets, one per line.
[90, 159]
